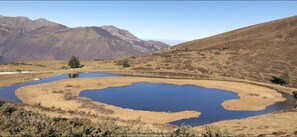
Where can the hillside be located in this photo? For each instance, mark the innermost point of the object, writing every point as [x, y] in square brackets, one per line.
[26, 120]
[256, 52]
[22, 39]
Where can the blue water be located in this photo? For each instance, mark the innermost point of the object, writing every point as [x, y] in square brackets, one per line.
[8, 93]
[174, 98]
[157, 97]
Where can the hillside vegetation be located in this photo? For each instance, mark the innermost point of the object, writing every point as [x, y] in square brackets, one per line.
[16, 120]
[256, 53]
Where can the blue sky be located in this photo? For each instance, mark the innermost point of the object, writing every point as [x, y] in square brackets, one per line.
[165, 20]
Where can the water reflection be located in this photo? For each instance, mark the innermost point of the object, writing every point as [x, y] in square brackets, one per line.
[75, 75]
[174, 98]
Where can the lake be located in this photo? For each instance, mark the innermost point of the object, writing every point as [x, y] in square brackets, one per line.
[158, 97]
[174, 98]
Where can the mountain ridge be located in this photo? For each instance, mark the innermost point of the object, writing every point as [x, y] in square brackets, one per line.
[256, 52]
[23, 39]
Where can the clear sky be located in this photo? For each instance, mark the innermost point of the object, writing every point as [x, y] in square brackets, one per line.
[166, 20]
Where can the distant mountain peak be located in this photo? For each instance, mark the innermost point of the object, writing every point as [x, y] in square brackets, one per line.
[120, 33]
[24, 39]
[27, 24]
[109, 26]
[41, 20]
[45, 22]
[23, 17]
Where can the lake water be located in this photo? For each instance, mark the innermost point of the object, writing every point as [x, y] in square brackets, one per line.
[158, 97]
[174, 98]
[8, 93]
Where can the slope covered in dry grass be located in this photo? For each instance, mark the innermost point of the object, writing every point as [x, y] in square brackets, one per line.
[254, 53]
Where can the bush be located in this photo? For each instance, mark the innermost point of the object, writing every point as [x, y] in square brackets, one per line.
[123, 62]
[22, 122]
[68, 96]
[185, 131]
[58, 91]
[295, 94]
[68, 85]
[63, 68]
[18, 121]
[211, 131]
[283, 79]
[126, 63]
[74, 62]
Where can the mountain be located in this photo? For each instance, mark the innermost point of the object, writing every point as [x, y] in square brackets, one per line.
[256, 52]
[156, 45]
[3, 60]
[23, 39]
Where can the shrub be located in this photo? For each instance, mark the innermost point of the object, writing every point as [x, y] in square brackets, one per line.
[126, 63]
[63, 68]
[283, 79]
[295, 94]
[68, 85]
[18, 121]
[184, 131]
[123, 62]
[58, 91]
[68, 96]
[74, 62]
[87, 103]
[211, 131]
[22, 122]
[8, 110]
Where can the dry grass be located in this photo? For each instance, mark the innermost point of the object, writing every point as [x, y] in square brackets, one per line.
[44, 69]
[253, 53]
[70, 100]
[107, 66]
[270, 125]
[246, 55]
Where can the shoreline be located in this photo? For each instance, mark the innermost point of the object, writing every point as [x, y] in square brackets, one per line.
[36, 94]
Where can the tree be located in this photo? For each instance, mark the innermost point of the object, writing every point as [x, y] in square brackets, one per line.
[295, 95]
[126, 63]
[74, 62]
[283, 79]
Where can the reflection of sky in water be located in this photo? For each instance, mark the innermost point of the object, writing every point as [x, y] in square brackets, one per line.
[157, 97]
[173, 98]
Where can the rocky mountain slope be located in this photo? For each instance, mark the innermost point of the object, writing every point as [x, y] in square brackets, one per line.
[3, 60]
[22, 39]
[256, 52]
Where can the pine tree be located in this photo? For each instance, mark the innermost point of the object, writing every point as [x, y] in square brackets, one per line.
[74, 62]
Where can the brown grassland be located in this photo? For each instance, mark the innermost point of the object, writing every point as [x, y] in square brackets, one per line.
[61, 100]
[243, 61]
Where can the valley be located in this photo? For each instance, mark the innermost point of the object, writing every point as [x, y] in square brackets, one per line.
[237, 83]
[264, 94]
